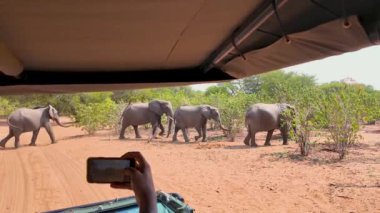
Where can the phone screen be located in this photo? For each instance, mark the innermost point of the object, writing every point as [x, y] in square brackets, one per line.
[108, 170]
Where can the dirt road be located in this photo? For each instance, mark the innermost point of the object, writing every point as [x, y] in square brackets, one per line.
[212, 176]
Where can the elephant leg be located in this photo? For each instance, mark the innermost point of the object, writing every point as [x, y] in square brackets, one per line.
[269, 136]
[176, 129]
[137, 133]
[34, 137]
[122, 131]
[247, 138]
[6, 139]
[199, 130]
[204, 130]
[50, 133]
[253, 140]
[17, 141]
[162, 132]
[252, 133]
[154, 131]
[284, 134]
[184, 132]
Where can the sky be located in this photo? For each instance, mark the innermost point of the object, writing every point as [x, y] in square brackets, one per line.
[363, 66]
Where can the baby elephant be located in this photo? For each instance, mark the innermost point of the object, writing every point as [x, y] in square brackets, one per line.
[194, 117]
[267, 117]
[31, 120]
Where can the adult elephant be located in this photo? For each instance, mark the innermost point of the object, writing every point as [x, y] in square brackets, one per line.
[268, 117]
[143, 113]
[31, 120]
[194, 117]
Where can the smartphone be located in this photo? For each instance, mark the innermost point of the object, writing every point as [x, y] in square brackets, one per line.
[108, 170]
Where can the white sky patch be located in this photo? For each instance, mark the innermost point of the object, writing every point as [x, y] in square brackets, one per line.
[202, 87]
[363, 66]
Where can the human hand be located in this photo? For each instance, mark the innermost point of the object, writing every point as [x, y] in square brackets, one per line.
[141, 183]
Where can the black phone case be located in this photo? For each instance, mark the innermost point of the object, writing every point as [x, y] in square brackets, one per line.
[89, 180]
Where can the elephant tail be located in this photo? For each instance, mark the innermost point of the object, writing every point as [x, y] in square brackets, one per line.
[246, 124]
[13, 126]
[120, 119]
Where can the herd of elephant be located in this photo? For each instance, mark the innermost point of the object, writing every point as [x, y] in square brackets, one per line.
[259, 117]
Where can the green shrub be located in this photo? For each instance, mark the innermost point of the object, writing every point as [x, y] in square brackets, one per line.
[304, 121]
[342, 109]
[96, 116]
[6, 107]
[232, 110]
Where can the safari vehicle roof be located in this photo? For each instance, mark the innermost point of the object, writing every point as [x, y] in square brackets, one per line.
[91, 45]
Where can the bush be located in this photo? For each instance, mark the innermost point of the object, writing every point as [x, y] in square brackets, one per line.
[6, 107]
[306, 119]
[342, 110]
[232, 110]
[96, 116]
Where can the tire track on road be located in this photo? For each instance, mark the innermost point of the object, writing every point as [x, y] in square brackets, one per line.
[12, 184]
[72, 175]
[43, 188]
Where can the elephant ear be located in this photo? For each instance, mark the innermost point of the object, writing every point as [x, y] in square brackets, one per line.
[51, 112]
[287, 112]
[155, 107]
[206, 111]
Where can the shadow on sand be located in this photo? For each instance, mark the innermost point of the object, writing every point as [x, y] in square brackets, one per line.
[23, 146]
[72, 137]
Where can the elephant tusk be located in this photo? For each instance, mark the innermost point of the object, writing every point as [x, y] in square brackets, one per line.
[66, 126]
[225, 129]
[63, 125]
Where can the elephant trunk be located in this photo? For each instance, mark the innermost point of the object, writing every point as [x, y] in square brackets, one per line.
[220, 124]
[170, 114]
[223, 128]
[60, 124]
[170, 126]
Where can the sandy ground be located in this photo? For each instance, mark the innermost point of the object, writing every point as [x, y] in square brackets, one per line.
[215, 176]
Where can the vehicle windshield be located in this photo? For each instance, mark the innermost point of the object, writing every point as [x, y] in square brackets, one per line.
[279, 141]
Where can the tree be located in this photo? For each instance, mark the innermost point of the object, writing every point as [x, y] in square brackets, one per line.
[281, 87]
[251, 84]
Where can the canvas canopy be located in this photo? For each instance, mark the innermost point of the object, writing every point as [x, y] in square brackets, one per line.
[91, 45]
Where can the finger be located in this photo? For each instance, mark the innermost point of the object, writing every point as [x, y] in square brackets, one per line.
[138, 157]
[121, 186]
[131, 171]
[140, 161]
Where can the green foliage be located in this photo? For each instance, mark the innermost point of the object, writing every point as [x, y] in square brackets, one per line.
[250, 85]
[278, 86]
[371, 104]
[96, 116]
[223, 89]
[232, 110]
[337, 107]
[305, 121]
[342, 108]
[217, 90]
[6, 107]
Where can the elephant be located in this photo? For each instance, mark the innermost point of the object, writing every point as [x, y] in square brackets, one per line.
[267, 117]
[194, 117]
[143, 113]
[31, 120]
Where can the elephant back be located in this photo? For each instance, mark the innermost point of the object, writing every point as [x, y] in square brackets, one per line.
[26, 119]
[263, 117]
[131, 107]
[188, 116]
